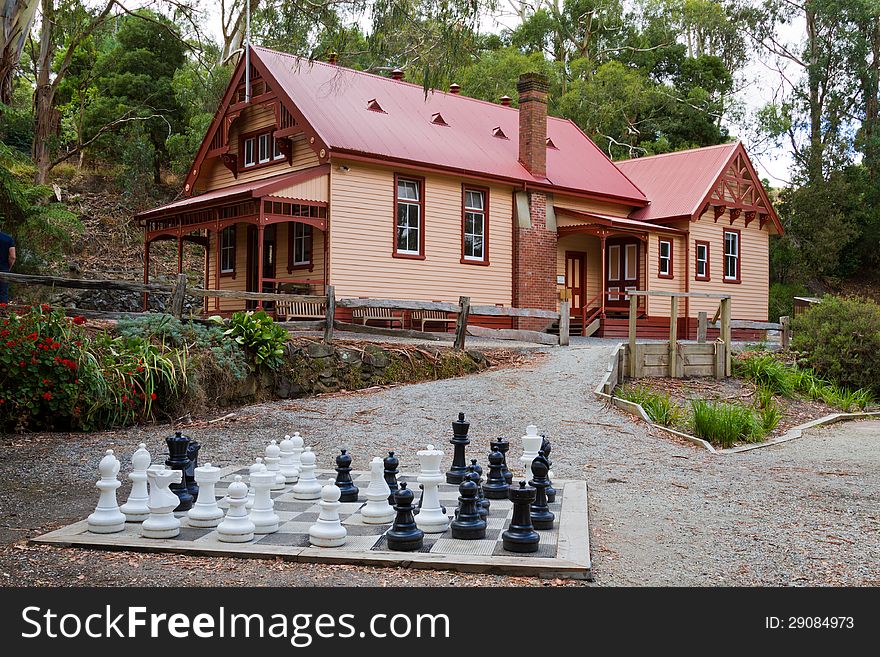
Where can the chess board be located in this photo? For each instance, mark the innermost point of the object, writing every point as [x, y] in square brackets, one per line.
[562, 552]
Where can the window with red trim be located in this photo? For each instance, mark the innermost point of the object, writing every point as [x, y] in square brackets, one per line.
[409, 237]
[227, 250]
[731, 256]
[664, 269]
[475, 225]
[300, 247]
[258, 149]
[701, 261]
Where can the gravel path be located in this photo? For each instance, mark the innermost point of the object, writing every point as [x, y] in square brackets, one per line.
[661, 512]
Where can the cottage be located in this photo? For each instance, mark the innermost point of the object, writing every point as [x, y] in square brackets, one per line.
[323, 175]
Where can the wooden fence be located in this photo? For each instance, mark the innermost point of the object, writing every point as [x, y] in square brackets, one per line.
[463, 309]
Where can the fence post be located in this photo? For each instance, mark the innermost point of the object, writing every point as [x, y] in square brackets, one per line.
[633, 321]
[702, 326]
[785, 334]
[331, 314]
[725, 335]
[461, 322]
[178, 296]
[673, 336]
[564, 323]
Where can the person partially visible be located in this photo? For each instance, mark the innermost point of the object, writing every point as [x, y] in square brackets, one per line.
[7, 260]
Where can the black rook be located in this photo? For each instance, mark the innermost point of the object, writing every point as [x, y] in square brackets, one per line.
[521, 536]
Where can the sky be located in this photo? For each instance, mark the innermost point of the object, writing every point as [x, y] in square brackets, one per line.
[773, 163]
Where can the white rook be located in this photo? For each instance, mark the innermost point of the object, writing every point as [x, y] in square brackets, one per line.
[107, 518]
[263, 514]
[431, 518]
[205, 512]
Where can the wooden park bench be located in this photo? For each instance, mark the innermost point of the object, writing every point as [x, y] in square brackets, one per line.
[427, 316]
[286, 311]
[370, 313]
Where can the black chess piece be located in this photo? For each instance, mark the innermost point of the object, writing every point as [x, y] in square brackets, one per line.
[343, 478]
[192, 453]
[479, 470]
[404, 536]
[503, 445]
[459, 440]
[472, 475]
[495, 487]
[469, 523]
[521, 536]
[178, 444]
[542, 516]
[391, 463]
[546, 447]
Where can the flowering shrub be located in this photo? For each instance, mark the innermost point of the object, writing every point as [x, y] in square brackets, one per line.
[54, 375]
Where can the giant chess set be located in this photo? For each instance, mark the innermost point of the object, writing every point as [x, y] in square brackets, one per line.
[515, 520]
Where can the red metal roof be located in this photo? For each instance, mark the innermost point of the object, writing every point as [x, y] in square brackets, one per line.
[610, 220]
[335, 101]
[676, 183]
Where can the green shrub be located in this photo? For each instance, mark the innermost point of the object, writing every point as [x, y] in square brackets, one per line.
[769, 417]
[781, 303]
[840, 339]
[259, 335]
[766, 371]
[724, 424]
[659, 407]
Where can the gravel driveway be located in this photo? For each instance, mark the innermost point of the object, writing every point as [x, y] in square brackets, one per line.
[661, 512]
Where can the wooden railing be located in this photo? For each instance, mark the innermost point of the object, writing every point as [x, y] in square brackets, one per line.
[463, 309]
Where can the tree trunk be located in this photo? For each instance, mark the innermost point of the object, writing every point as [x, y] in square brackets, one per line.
[45, 115]
[17, 20]
[814, 157]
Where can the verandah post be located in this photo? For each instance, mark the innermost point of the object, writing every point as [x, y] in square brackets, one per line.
[330, 314]
[702, 326]
[725, 334]
[673, 336]
[461, 322]
[633, 318]
[564, 323]
[146, 273]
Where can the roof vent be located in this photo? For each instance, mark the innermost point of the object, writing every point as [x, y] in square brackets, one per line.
[550, 144]
[374, 106]
[498, 132]
[437, 119]
[454, 88]
[397, 74]
[505, 100]
[332, 58]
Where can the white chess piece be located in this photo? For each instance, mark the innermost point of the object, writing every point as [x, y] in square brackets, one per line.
[328, 530]
[162, 523]
[107, 518]
[377, 510]
[273, 457]
[137, 507]
[287, 466]
[205, 512]
[531, 444]
[256, 466]
[262, 513]
[307, 488]
[236, 526]
[297, 441]
[431, 518]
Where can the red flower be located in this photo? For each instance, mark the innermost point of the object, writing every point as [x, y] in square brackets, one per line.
[4, 333]
[2, 401]
[47, 396]
[153, 396]
[2, 305]
[21, 364]
[56, 345]
[46, 382]
[46, 306]
[79, 320]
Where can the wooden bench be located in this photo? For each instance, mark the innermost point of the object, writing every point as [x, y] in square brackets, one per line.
[376, 314]
[426, 316]
[286, 311]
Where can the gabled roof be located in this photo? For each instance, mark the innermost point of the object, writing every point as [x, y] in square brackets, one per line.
[680, 184]
[340, 105]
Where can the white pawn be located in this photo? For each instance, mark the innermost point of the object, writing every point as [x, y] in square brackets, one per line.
[137, 508]
[257, 466]
[328, 530]
[531, 445]
[287, 466]
[307, 488]
[377, 510]
[263, 514]
[205, 512]
[431, 518]
[236, 526]
[273, 457]
[298, 443]
[107, 518]
[162, 523]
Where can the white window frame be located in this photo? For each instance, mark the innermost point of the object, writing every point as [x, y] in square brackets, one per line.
[616, 276]
[612, 293]
[665, 259]
[734, 256]
[226, 247]
[704, 261]
[302, 233]
[475, 212]
[410, 203]
[249, 158]
[277, 154]
[264, 148]
[634, 248]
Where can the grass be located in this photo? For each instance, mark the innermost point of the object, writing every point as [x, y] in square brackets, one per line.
[659, 407]
[724, 424]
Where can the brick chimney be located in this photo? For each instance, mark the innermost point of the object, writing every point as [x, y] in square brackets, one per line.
[532, 88]
[534, 261]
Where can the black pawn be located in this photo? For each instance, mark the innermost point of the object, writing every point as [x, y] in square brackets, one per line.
[521, 536]
[476, 469]
[343, 478]
[469, 523]
[542, 516]
[178, 460]
[495, 487]
[192, 453]
[546, 447]
[391, 463]
[459, 440]
[404, 536]
[503, 445]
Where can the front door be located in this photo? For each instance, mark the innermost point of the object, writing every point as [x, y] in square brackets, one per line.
[622, 270]
[269, 257]
[575, 275]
